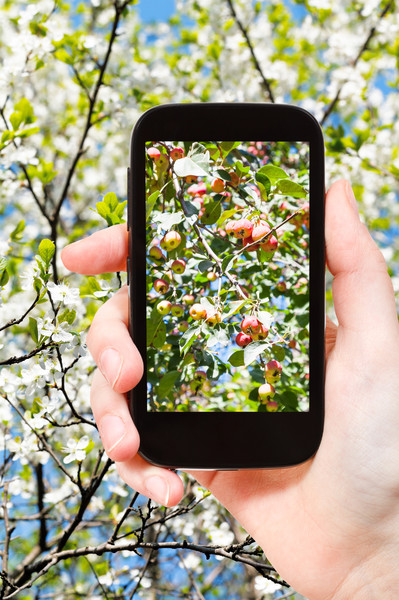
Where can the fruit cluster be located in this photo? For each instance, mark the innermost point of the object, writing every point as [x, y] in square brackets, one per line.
[233, 213]
[252, 232]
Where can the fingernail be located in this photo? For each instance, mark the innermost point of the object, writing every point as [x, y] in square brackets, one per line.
[110, 365]
[112, 430]
[351, 197]
[158, 489]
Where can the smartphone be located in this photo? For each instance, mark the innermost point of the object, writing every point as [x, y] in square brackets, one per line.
[226, 284]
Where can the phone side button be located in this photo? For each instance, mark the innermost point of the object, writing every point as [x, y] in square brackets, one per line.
[128, 271]
[129, 200]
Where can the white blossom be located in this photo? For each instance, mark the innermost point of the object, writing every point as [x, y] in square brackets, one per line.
[76, 449]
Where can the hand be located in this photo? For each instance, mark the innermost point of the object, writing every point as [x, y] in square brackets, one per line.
[330, 526]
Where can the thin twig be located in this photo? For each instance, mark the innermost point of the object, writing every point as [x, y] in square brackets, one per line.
[265, 82]
[354, 62]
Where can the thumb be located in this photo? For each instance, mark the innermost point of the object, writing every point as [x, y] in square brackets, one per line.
[363, 295]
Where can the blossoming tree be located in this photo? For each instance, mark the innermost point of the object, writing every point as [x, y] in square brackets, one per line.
[73, 80]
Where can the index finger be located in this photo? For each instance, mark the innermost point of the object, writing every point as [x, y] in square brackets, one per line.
[104, 251]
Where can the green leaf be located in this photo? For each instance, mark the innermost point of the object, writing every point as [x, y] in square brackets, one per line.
[7, 136]
[25, 108]
[265, 318]
[37, 285]
[211, 213]
[232, 308]
[264, 181]
[46, 251]
[118, 212]
[68, 316]
[159, 336]
[227, 147]
[94, 285]
[167, 382]
[222, 174]
[240, 168]
[278, 352]
[4, 277]
[151, 203]
[186, 166]
[16, 119]
[111, 201]
[102, 210]
[200, 155]
[188, 338]
[204, 265]
[273, 173]
[227, 262]
[208, 303]
[62, 55]
[152, 325]
[28, 131]
[289, 399]
[290, 188]
[237, 358]
[167, 220]
[17, 233]
[253, 350]
[33, 330]
[226, 214]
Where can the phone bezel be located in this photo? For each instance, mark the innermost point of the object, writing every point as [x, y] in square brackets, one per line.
[227, 440]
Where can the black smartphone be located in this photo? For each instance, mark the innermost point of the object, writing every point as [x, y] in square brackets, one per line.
[226, 282]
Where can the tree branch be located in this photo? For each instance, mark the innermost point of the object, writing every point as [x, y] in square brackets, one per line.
[265, 82]
[354, 62]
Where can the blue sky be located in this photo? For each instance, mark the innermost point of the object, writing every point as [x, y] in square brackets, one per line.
[156, 10]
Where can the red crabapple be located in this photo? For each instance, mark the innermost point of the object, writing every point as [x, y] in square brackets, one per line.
[170, 240]
[199, 378]
[266, 392]
[214, 318]
[273, 371]
[247, 242]
[270, 245]
[250, 325]
[156, 253]
[260, 230]
[188, 299]
[178, 266]
[176, 153]
[162, 162]
[242, 339]
[242, 229]
[161, 286]
[191, 179]
[197, 312]
[230, 227]
[197, 189]
[164, 307]
[272, 406]
[292, 344]
[281, 286]
[177, 310]
[153, 153]
[199, 375]
[261, 334]
[235, 179]
[183, 326]
[217, 185]
[212, 276]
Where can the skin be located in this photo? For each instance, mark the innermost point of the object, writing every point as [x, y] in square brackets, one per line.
[330, 526]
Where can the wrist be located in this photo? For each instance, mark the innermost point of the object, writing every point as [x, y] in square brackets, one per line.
[373, 579]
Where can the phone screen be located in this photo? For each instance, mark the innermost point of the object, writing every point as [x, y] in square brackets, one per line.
[227, 269]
